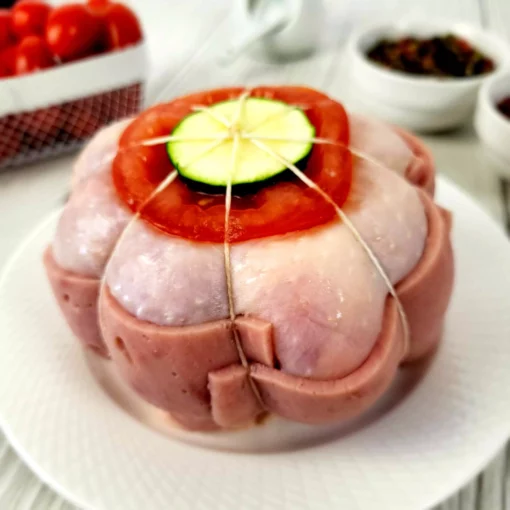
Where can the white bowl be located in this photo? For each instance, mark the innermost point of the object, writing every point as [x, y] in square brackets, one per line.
[417, 102]
[492, 126]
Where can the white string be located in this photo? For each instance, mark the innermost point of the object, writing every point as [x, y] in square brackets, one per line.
[236, 136]
[236, 139]
[245, 135]
[239, 112]
[320, 141]
[161, 187]
[160, 140]
[226, 243]
[371, 255]
[214, 115]
[284, 111]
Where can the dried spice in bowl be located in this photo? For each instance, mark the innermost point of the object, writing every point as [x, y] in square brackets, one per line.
[504, 107]
[441, 56]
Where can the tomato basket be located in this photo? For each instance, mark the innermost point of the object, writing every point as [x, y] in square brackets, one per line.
[57, 110]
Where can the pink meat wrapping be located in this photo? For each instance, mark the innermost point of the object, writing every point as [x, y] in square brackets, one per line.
[77, 297]
[194, 371]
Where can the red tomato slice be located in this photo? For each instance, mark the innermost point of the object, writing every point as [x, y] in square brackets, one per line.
[275, 209]
[121, 25]
[6, 34]
[72, 31]
[29, 17]
[32, 54]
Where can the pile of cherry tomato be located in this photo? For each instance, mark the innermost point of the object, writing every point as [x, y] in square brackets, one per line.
[35, 35]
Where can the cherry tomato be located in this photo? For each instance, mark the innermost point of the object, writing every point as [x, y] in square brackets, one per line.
[6, 35]
[277, 208]
[98, 7]
[32, 54]
[72, 31]
[29, 17]
[4, 72]
[121, 26]
[8, 59]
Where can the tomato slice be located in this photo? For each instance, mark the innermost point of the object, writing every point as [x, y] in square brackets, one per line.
[275, 209]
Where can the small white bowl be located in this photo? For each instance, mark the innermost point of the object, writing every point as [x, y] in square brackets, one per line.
[418, 102]
[491, 125]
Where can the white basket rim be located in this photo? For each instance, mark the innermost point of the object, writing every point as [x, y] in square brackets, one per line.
[73, 81]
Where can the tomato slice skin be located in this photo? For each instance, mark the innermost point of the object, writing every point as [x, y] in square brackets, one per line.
[29, 17]
[276, 209]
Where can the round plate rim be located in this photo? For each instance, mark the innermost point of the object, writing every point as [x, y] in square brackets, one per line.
[70, 496]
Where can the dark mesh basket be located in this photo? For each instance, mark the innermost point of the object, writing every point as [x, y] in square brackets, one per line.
[33, 135]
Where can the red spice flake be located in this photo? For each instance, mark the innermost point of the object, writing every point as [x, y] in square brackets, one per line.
[441, 56]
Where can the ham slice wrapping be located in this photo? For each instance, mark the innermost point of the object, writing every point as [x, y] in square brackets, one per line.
[193, 372]
[189, 365]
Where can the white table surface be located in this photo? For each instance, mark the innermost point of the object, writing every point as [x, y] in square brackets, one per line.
[184, 38]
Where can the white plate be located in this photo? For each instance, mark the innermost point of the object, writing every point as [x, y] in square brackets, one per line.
[413, 451]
